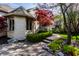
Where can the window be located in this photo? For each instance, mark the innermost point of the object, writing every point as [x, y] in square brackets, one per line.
[11, 24]
[28, 24]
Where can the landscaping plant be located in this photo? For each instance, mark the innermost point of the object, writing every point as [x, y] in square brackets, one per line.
[44, 17]
[37, 37]
[3, 23]
[55, 45]
[71, 50]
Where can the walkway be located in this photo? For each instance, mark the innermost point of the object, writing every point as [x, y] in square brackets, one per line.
[25, 49]
[54, 36]
[51, 38]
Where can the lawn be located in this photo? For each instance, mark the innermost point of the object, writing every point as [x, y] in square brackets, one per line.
[65, 36]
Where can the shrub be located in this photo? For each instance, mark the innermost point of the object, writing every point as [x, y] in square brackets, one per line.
[55, 45]
[37, 37]
[74, 51]
[41, 31]
[58, 41]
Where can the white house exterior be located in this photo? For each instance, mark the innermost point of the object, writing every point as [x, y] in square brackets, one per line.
[20, 22]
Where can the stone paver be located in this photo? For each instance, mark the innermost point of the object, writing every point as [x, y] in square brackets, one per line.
[54, 36]
[26, 48]
[23, 49]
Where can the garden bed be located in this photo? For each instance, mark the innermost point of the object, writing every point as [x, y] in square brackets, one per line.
[59, 47]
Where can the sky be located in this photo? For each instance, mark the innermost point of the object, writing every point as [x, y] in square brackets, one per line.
[25, 5]
[29, 5]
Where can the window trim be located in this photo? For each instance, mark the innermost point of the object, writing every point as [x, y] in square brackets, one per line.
[28, 24]
[11, 24]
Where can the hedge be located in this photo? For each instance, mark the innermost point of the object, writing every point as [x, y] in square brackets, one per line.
[37, 37]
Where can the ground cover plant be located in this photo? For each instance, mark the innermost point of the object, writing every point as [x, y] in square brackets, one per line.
[68, 50]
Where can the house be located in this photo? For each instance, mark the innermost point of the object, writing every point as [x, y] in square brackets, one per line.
[20, 22]
[4, 9]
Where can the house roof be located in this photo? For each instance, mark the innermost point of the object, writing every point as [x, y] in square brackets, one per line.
[32, 9]
[20, 11]
[5, 8]
[3, 11]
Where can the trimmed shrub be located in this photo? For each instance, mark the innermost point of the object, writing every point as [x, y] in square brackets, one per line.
[37, 37]
[41, 31]
[74, 51]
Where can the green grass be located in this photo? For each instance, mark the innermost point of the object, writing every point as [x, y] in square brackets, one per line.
[65, 36]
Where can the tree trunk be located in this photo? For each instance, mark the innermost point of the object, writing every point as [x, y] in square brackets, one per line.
[66, 26]
[69, 30]
[64, 17]
[69, 38]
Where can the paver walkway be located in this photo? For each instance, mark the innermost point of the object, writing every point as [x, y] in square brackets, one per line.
[54, 36]
[24, 49]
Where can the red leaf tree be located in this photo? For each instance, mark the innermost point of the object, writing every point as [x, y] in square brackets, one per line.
[3, 23]
[44, 17]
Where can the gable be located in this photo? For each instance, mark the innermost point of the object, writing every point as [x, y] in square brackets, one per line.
[19, 11]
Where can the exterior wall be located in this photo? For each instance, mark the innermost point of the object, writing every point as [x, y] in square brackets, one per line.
[3, 33]
[20, 31]
[35, 26]
[9, 33]
[19, 27]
